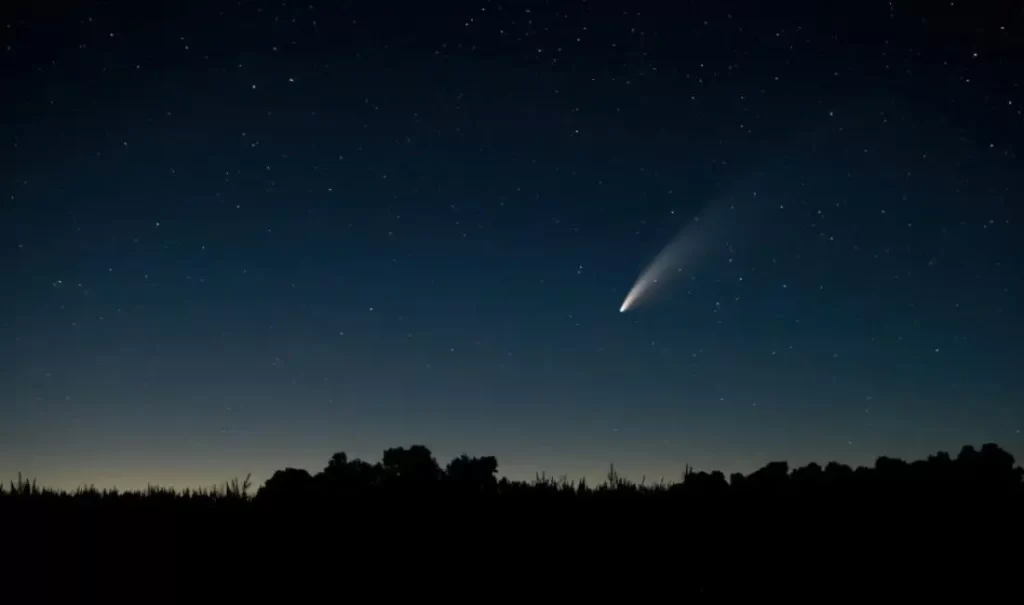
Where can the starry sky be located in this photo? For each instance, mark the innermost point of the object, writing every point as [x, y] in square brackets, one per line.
[239, 236]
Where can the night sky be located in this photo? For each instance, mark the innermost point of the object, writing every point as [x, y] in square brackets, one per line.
[240, 236]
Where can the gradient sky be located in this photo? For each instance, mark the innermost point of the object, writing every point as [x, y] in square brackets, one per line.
[239, 236]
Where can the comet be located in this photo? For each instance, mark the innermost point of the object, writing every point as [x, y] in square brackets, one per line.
[735, 212]
[673, 259]
[681, 255]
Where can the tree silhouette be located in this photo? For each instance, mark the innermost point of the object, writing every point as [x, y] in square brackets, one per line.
[771, 478]
[414, 464]
[986, 474]
[703, 484]
[344, 476]
[287, 486]
[473, 474]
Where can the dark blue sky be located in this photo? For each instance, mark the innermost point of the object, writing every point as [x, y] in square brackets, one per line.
[243, 236]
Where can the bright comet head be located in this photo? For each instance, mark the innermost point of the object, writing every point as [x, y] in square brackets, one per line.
[631, 297]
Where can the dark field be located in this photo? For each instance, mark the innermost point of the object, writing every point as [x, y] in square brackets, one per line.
[406, 515]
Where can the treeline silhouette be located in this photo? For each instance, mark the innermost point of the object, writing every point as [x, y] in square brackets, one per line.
[428, 528]
[405, 472]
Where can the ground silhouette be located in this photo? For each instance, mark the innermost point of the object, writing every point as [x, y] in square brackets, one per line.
[403, 515]
[988, 473]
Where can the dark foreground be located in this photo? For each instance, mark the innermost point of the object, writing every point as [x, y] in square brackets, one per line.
[944, 527]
